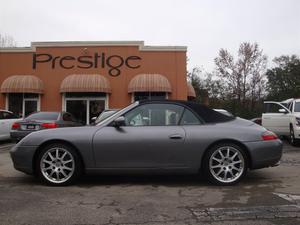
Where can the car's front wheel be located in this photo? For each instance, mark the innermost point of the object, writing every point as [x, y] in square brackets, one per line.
[225, 164]
[58, 165]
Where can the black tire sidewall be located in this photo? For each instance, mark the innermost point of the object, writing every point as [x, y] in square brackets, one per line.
[206, 169]
[78, 165]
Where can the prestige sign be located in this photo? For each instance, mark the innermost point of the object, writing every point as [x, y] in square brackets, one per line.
[113, 63]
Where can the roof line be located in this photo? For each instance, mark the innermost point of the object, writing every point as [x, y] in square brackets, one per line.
[139, 44]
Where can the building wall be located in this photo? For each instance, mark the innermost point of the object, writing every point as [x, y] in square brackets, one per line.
[168, 62]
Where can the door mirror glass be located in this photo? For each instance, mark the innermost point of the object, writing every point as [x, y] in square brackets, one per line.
[120, 121]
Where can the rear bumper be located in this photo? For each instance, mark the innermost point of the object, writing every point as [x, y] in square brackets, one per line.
[22, 157]
[264, 153]
[17, 135]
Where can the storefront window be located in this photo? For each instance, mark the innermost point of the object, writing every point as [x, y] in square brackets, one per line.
[149, 96]
[23, 104]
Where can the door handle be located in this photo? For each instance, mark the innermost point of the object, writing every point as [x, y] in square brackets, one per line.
[175, 136]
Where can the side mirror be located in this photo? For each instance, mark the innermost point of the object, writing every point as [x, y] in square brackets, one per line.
[120, 121]
[282, 111]
[93, 119]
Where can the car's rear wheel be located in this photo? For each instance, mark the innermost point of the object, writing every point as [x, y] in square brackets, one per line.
[225, 164]
[58, 165]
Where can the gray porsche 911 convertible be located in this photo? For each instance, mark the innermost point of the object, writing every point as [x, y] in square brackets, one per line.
[151, 137]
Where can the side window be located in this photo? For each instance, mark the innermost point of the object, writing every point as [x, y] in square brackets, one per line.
[189, 118]
[272, 108]
[154, 115]
[1, 115]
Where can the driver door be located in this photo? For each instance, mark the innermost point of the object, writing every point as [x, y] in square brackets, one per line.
[150, 138]
[274, 120]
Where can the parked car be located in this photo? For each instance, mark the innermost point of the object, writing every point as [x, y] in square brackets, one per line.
[223, 111]
[151, 137]
[7, 119]
[283, 118]
[40, 121]
[102, 116]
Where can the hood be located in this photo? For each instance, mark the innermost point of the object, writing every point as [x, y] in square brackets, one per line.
[68, 133]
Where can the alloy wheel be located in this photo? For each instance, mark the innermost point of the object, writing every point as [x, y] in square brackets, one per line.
[227, 164]
[57, 165]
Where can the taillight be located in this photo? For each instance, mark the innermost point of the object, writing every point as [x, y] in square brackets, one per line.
[15, 126]
[49, 125]
[269, 135]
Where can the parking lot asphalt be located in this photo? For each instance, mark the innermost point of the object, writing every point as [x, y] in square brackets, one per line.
[267, 196]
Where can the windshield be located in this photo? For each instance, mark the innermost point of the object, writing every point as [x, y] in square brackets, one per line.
[105, 115]
[297, 107]
[118, 112]
[43, 116]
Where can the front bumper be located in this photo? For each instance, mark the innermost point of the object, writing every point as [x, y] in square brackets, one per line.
[264, 153]
[22, 157]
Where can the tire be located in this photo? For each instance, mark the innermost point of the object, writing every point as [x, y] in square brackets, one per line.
[225, 164]
[58, 165]
[292, 139]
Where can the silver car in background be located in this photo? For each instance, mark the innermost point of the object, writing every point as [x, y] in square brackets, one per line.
[151, 137]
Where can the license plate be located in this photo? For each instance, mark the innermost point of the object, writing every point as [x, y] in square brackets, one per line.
[31, 127]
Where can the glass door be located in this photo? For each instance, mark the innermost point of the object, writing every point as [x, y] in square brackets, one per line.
[82, 107]
[30, 106]
[78, 108]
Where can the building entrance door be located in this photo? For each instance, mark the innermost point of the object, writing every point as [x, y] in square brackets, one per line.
[85, 109]
[78, 109]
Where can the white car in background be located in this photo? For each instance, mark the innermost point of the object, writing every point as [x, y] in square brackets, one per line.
[283, 118]
[7, 119]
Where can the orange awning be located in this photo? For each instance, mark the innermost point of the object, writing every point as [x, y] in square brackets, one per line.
[85, 83]
[149, 83]
[22, 84]
[191, 90]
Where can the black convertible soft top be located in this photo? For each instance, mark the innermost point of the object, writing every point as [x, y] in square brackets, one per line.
[205, 113]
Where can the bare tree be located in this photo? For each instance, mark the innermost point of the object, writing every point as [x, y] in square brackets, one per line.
[7, 41]
[244, 77]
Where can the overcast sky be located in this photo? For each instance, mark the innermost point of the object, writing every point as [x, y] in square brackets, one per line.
[204, 26]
